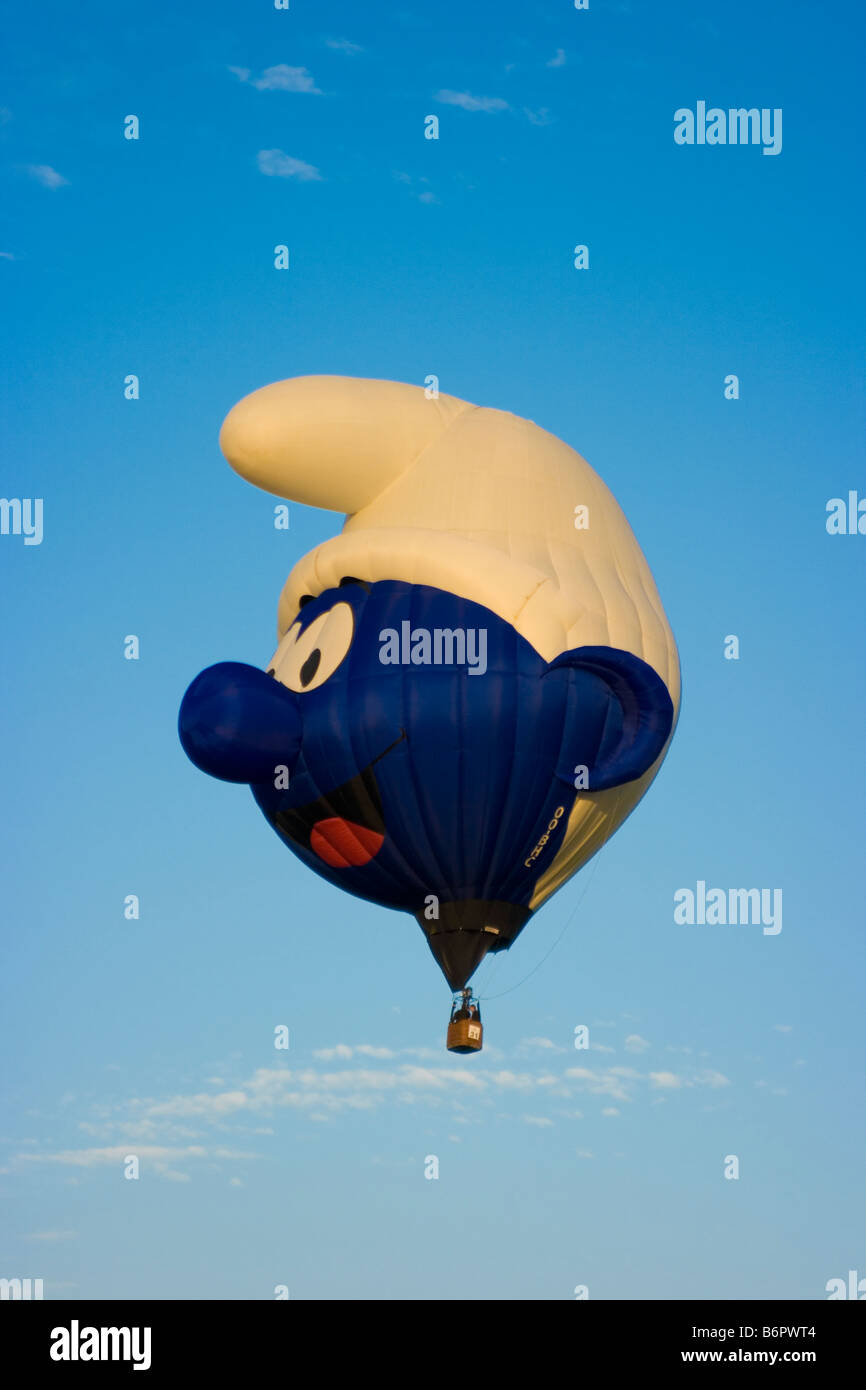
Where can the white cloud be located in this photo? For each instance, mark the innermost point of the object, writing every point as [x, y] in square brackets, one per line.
[210, 1107]
[468, 102]
[367, 1077]
[783, 1027]
[711, 1078]
[309, 1088]
[52, 1235]
[115, 1153]
[635, 1043]
[513, 1081]
[278, 165]
[558, 60]
[604, 1083]
[540, 117]
[344, 46]
[44, 174]
[424, 197]
[280, 78]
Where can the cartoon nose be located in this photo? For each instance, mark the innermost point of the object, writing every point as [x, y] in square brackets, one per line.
[239, 724]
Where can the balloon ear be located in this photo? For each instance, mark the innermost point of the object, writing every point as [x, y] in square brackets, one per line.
[619, 716]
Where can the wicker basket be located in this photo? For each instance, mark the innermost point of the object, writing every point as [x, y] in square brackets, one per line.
[466, 1035]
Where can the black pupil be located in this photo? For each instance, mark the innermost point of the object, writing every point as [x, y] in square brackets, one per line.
[310, 666]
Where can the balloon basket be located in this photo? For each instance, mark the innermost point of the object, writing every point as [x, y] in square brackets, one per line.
[464, 1036]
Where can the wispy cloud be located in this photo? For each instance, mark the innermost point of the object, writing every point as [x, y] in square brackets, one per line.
[540, 117]
[280, 78]
[175, 1134]
[425, 195]
[344, 46]
[635, 1043]
[44, 174]
[52, 1235]
[278, 165]
[159, 1157]
[604, 1083]
[6, 256]
[709, 1078]
[309, 1088]
[342, 1050]
[468, 102]
[667, 1080]
[558, 59]
[115, 1153]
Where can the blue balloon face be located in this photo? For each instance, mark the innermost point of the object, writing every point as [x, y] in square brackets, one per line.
[436, 738]
[413, 749]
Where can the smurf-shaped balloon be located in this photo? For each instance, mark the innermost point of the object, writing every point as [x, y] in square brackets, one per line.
[474, 683]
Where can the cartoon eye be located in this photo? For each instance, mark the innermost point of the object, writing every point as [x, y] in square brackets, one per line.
[306, 658]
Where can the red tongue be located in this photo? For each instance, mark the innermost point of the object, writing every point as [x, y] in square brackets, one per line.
[343, 844]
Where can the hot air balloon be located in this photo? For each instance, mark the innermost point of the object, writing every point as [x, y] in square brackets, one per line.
[474, 683]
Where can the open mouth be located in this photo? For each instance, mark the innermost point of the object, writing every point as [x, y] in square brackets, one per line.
[345, 827]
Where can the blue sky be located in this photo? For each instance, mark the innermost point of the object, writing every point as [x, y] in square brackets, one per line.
[409, 257]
